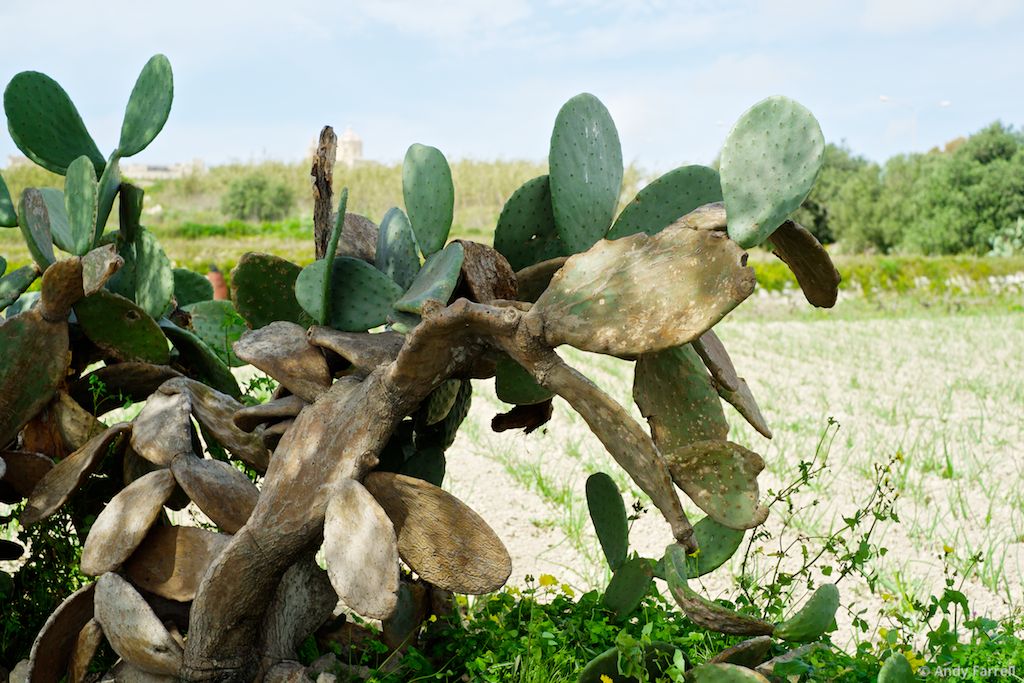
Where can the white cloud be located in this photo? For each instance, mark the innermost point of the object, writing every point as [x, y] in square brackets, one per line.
[895, 16]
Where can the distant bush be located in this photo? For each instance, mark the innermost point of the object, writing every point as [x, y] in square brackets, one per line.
[258, 196]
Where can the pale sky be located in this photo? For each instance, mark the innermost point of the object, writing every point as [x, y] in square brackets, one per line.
[257, 79]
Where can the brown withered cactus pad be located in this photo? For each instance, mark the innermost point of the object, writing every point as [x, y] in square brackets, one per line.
[612, 298]
[304, 600]
[215, 412]
[88, 642]
[721, 478]
[363, 352]
[282, 350]
[250, 417]
[24, 470]
[748, 653]
[815, 273]
[440, 537]
[712, 351]
[743, 401]
[361, 550]
[126, 520]
[55, 645]
[533, 280]
[57, 485]
[220, 490]
[163, 430]
[171, 561]
[486, 274]
[133, 629]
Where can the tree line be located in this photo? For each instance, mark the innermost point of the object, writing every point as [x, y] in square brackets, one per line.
[965, 198]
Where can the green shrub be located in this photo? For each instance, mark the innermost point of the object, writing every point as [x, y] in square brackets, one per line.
[258, 196]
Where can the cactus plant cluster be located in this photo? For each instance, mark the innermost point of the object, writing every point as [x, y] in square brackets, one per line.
[374, 347]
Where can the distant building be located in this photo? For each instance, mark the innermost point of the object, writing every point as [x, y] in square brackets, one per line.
[350, 148]
[151, 173]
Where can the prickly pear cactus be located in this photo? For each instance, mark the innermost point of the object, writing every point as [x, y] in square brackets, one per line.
[350, 448]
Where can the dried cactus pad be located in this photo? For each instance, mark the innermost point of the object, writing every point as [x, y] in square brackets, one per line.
[172, 560]
[768, 165]
[361, 551]
[45, 125]
[810, 263]
[219, 489]
[724, 673]
[440, 537]
[721, 478]
[814, 619]
[429, 196]
[526, 233]
[743, 401]
[125, 521]
[53, 647]
[712, 351]
[148, 106]
[133, 629]
[586, 172]
[671, 287]
[676, 395]
[663, 202]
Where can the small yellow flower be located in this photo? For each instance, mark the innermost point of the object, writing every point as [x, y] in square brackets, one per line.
[568, 591]
[899, 456]
[605, 678]
[433, 618]
[916, 661]
[888, 597]
[883, 632]
[547, 580]
[695, 553]
[947, 549]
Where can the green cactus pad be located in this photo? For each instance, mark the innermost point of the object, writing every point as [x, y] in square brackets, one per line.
[437, 280]
[361, 296]
[429, 196]
[814, 619]
[396, 249]
[428, 464]
[659, 657]
[629, 584]
[723, 673]
[191, 287]
[896, 669]
[218, 324]
[130, 210]
[403, 323]
[263, 290]
[45, 125]
[675, 393]
[608, 513]
[57, 217]
[14, 284]
[701, 611]
[8, 216]
[721, 478]
[442, 435]
[716, 542]
[148, 106]
[440, 401]
[81, 197]
[3, 265]
[121, 329]
[526, 233]
[109, 185]
[309, 290]
[35, 357]
[768, 165]
[667, 199]
[200, 360]
[123, 281]
[586, 172]
[154, 279]
[671, 287]
[513, 384]
[34, 220]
